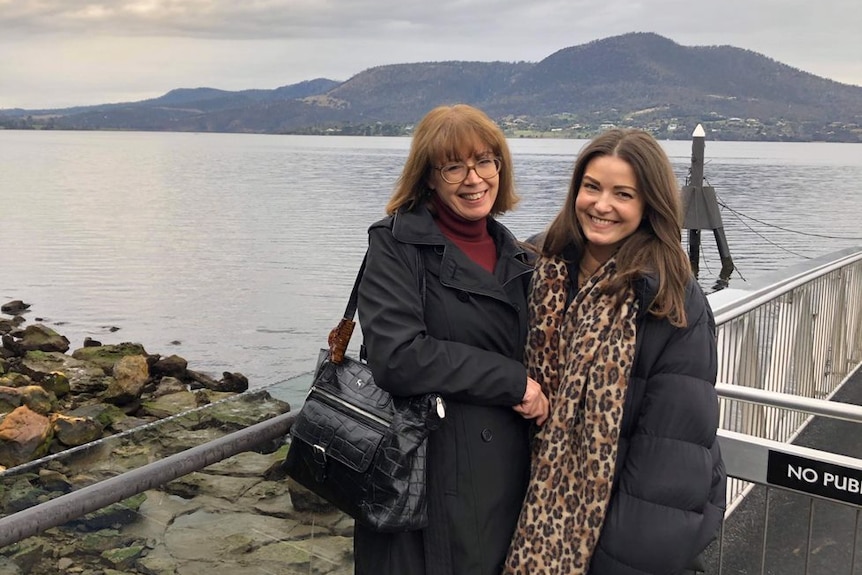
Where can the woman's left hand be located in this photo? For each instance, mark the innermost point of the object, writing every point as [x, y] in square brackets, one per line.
[535, 404]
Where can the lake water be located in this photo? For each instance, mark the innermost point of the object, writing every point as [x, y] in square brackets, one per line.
[237, 252]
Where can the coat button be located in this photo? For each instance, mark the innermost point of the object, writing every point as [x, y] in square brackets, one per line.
[463, 296]
[487, 435]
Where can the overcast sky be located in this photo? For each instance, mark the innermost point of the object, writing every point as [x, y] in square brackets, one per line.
[59, 53]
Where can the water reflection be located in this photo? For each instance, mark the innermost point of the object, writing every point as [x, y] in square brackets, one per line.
[243, 248]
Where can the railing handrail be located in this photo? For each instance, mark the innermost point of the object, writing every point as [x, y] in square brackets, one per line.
[826, 408]
[55, 512]
[776, 289]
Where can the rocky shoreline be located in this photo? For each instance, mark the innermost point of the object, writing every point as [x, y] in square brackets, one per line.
[68, 420]
[51, 400]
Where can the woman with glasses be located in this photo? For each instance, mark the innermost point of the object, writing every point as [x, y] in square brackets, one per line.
[627, 476]
[442, 307]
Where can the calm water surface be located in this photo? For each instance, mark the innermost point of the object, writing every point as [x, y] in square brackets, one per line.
[242, 248]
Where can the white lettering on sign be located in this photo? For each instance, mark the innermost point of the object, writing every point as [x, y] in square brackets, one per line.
[802, 473]
[841, 482]
[821, 478]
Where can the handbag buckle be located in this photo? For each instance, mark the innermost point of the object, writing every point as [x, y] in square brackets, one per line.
[319, 454]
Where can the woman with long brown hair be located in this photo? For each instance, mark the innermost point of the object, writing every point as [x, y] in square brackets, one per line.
[627, 477]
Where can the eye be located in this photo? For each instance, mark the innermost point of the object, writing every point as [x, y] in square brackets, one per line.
[453, 168]
[625, 195]
[485, 163]
[590, 186]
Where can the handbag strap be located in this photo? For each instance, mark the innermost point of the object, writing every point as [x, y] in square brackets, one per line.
[340, 335]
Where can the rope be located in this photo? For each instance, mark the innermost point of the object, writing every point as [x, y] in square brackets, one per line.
[810, 234]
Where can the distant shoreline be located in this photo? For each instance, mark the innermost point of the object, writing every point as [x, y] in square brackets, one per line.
[405, 132]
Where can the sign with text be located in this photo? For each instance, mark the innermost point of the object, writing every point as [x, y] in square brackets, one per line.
[827, 480]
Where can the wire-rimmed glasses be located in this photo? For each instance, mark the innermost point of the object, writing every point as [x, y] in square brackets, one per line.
[457, 172]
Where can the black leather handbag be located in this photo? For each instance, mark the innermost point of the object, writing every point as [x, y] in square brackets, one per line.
[356, 445]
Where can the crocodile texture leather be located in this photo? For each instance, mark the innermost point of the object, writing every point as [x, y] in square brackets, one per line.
[372, 470]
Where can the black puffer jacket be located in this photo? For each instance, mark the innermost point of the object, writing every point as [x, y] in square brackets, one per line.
[669, 490]
[466, 342]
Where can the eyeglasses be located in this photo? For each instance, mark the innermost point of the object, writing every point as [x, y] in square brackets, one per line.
[457, 172]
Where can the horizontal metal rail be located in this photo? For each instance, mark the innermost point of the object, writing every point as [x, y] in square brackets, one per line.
[34, 520]
[824, 407]
[771, 292]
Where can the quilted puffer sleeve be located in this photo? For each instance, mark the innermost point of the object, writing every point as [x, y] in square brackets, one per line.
[670, 494]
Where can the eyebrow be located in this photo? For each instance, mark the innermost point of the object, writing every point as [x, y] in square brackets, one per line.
[595, 181]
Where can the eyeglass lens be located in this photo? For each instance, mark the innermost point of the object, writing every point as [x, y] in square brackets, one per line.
[457, 172]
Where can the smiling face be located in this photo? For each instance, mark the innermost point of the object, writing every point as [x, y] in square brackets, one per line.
[608, 206]
[473, 198]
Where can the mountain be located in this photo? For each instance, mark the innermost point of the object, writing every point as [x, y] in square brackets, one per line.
[637, 79]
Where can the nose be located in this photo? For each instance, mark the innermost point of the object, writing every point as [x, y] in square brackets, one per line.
[472, 175]
[603, 203]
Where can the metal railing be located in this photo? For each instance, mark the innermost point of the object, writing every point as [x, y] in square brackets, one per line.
[800, 336]
[784, 351]
[802, 507]
[59, 511]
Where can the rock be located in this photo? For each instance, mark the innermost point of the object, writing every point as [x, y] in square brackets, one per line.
[9, 567]
[169, 405]
[72, 431]
[38, 399]
[171, 366]
[35, 337]
[201, 380]
[168, 385]
[14, 307]
[57, 383]
[8, 325]
[234, 382]
[24, 436]
[28, 554]
[10, 399]
[123, 558]
[90, 342]
[16, 380]
[105, 414]
[122, 513]
[307, 501]
[54, 481]
[105, 356]
[130, 374]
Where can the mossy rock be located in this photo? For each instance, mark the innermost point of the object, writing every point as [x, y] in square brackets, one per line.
[105, 356]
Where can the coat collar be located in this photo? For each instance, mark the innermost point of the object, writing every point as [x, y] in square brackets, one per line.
[418, 227]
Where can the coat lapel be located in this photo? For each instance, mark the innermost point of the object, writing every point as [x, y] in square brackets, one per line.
[458, 271]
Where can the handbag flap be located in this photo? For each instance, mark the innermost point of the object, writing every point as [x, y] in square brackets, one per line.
[352, 381]
[336, 435]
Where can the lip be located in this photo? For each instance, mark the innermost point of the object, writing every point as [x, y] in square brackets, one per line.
[605, 222]
[466, 199]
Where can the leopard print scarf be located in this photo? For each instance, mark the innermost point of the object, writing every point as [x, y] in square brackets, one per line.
[582, 357]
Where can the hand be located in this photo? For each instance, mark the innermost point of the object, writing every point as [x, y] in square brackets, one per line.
[534, 404]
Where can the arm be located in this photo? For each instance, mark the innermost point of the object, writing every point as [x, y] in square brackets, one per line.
[670, 498]
[405, 360]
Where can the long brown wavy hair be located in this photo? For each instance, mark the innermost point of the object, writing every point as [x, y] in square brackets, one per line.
[446, 134]
[654, 248]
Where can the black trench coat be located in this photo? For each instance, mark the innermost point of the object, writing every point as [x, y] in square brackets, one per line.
[465, 341]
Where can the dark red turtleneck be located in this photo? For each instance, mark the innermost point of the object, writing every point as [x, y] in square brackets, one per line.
[471, 236]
